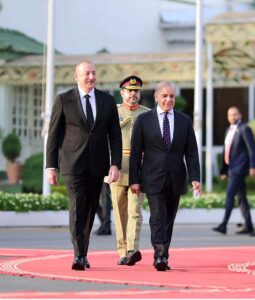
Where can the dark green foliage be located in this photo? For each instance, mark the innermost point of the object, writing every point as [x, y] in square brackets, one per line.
[11, 146]
[180, 103]
[32, 174]
[61, 189]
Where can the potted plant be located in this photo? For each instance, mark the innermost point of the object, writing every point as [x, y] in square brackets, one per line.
[11, 148]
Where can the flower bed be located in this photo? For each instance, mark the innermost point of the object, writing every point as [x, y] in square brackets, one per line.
[56, 201]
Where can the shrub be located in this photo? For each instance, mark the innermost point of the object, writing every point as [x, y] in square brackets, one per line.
[61, 189]
[32, 174]
[32, 202]
[180, 103]
[11, 147]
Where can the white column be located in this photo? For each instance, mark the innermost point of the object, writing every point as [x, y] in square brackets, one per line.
[5, 119]
[209, 120]
[198, 103]
[5, 109]
[251, 104]
[49, 87]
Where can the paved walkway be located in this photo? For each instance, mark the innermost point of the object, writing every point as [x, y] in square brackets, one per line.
[185, 236]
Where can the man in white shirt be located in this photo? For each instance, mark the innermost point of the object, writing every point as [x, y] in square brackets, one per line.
[161, 139]
[84, 144]
[238, 162]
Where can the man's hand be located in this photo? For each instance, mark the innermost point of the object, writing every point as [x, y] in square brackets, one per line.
[135, 188]
[114, 174]
[52, 176]
[252, 172]
[196, 186]
[223, 177]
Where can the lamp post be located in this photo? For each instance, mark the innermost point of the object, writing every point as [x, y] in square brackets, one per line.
[49, 89]
[198, 99]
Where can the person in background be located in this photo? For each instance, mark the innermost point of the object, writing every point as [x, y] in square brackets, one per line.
[238, 162]
[84, 137]
[127, 207]
[104, 211]
[162, 138]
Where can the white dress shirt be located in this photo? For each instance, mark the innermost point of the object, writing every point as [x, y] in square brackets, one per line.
[92, 100]
[170, 117]
[230, 135]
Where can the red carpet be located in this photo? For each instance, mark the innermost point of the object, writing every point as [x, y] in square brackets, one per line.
[196, 273]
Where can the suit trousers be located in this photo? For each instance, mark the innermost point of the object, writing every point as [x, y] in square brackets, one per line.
[237, 186]
[163, 208]
[105, 207]
[127, 211]
[84, 193]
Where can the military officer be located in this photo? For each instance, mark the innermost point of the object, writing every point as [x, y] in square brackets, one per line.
[127, 207]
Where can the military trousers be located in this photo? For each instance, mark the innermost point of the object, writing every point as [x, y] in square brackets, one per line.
[127, 211]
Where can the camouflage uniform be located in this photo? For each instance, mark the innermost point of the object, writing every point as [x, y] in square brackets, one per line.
[127, 207]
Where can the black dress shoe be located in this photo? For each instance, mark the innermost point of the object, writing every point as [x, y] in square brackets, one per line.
[167, 265]
[221, 229]
[122, 261]
[104, 231]
[161, 264]
[87, 264]
[79, 264]
[133, 257]
[245, 231]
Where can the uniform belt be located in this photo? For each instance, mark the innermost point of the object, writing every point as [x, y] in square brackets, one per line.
[126, 152]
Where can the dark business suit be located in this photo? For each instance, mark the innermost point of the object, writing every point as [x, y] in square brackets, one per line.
[82, 155]
[162, 171]
[241, 159]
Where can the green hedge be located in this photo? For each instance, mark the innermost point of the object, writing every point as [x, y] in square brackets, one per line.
[34, 202]
[32, 174]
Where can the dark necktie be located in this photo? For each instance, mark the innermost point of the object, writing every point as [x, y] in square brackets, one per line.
[89, 113]
[166, 131]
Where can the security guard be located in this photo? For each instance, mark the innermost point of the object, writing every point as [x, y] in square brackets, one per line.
[127, 207]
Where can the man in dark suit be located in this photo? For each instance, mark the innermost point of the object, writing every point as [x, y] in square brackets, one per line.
[238, 161]
[161, 139]
[84, 125]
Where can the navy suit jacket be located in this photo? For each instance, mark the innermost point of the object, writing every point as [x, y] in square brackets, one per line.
[151, 160]
[242, 152]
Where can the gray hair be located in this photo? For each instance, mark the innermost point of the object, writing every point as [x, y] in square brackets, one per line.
[162, 84]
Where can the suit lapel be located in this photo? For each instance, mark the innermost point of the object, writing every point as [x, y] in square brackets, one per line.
[99, 107]
[78, 106]
[177, 125]
[157, 128]
[236, 136]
